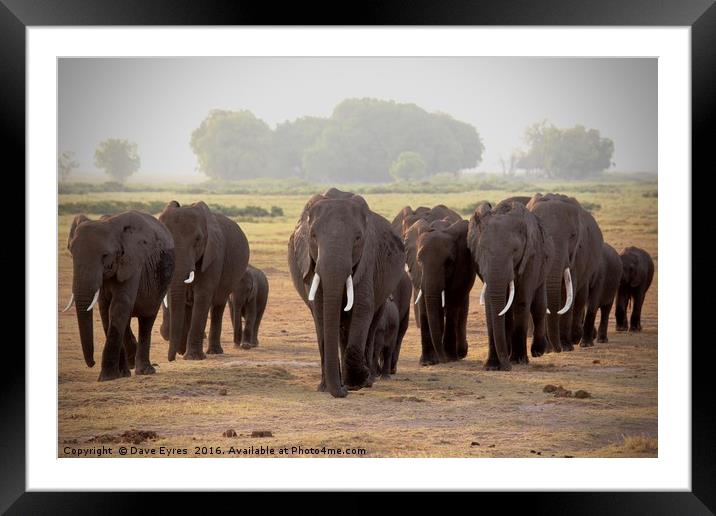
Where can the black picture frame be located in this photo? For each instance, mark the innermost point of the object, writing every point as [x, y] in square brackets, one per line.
[700, 15]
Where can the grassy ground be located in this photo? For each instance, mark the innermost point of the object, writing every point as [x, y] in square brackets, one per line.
[439, 411]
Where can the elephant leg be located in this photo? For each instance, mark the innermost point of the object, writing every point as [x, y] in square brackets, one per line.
[635, 319]
[217, 317]
[371, 353]
[450, 333]
[604, 322]
[236, 313]
[399, 340]
[579, 314]
[428, 356]
[356, 374]
[317, 322]
[144, 365]
[114, 360]
[493, 361]
[104, 313]
[565, 330]
[165, 328]
[620, 313]
[185, 331]
[518, 354]
[250, 318]
[130, 346]
[259, 314]
[538, 310]
[197, 326]
[461, 327]
[589, 321]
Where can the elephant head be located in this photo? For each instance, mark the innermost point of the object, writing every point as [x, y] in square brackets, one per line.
[198, 243]
[115, 247]
[633, 274]
[561, 217]
[503, 240]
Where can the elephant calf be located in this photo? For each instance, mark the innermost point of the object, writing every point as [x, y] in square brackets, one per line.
[249, 302]
[390, 330]
[601, 296]
[124, 264]
[637, 274]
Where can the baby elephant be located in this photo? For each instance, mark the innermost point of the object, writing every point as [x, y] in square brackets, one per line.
[249, 302]
[601, 296]
[637, 273]
[391, 328]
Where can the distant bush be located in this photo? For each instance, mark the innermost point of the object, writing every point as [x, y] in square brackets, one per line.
[591, 206]
[651, 194]
[154, 207]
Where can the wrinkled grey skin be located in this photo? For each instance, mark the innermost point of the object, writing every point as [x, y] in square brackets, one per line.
[577, 242]
[401, 225]
[337, 236]
[601, 297]
[637, 275]
[391, 329]
[129, 258]
[507, 243]
[215, 248]
[439, 260]
[249, 304]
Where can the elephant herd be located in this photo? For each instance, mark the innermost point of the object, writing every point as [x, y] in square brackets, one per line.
[543, 263]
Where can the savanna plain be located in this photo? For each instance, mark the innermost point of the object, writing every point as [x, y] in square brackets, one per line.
[266, 396]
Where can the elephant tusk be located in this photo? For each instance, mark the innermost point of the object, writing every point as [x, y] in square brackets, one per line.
[509, 299]
[314, 287]
[570, 291]
[407, 269]
[94, 301]
[482, 294]
[442, 298]
[72, 302]
[417, 298]
[190, 279]
[349, 293]
[548, 312]
[166, 304]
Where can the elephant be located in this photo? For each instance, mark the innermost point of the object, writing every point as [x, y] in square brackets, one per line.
[577, 243]
[402, 223]
[441, 272]
[511, 253]
[124, 264]
[250, 303]
[638, 272]
[390, 330]
[344, 261]
[601, 297]
[212, 254]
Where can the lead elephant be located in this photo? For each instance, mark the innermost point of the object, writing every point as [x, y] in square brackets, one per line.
[122, 263]
[249, 305]
[212, 254]
[601, 297]
[441, 271]
[577, 242]
[511, 253]
[638, 273]
[344, 261]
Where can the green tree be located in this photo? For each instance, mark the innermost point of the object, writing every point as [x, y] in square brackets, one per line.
[66, 164]
[233, 145]
[118, 158]
[409, 166]
[291, 140]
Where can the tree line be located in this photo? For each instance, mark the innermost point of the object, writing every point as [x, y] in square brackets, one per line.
[367, 140]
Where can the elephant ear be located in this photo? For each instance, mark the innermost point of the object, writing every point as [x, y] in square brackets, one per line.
[410, 243]
[214, 238]
[534, 238]
[458, 232]
[141, 246]
[535, 199]
[477, 223]
[79, 219]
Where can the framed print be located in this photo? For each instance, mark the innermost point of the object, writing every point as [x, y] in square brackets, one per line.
[424, 252]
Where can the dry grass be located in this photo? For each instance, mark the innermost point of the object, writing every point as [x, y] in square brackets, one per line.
[452, 410]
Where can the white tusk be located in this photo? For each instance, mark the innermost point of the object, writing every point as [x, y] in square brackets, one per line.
[314, 287]
[509, 299]
[349, 293]
[548, 312]
[482, 294]
[166, 305]
[417, 298]
[570, 291]
[407, 269]
[442, 297]
[72, 302]
[94, 301]
[190, 279]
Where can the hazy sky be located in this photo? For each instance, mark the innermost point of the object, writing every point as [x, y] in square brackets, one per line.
[158, 102]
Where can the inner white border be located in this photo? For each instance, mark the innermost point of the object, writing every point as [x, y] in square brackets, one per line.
[671, 470]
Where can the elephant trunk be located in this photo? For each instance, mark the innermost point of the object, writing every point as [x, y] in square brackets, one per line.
[495, 302]
[85, 289]
[554, 304]
[436, 322]
[176, 298]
